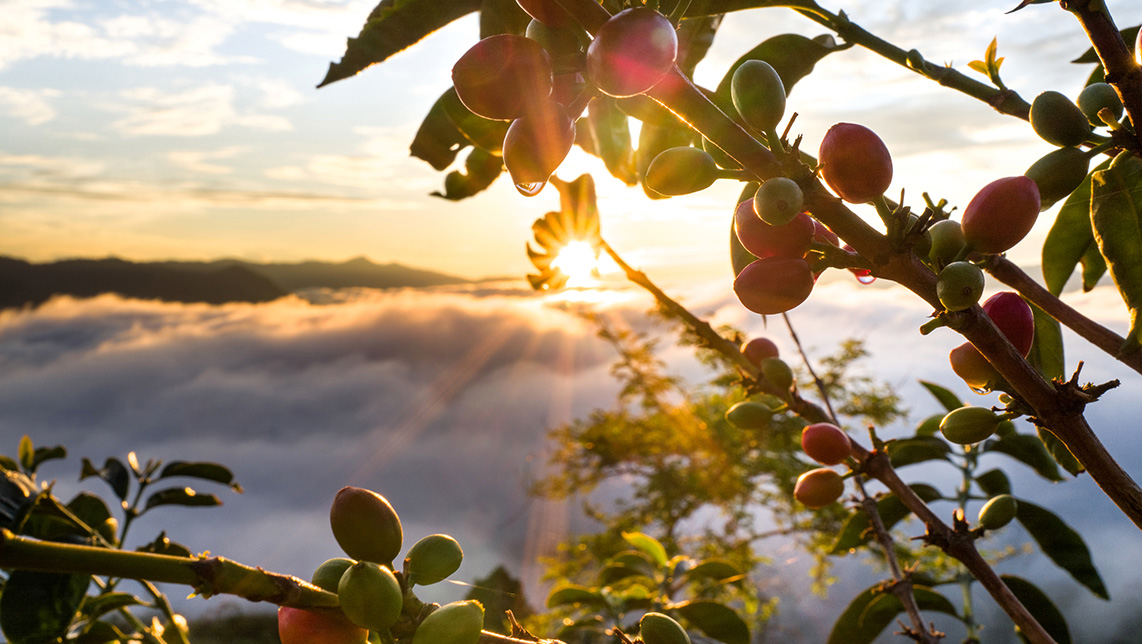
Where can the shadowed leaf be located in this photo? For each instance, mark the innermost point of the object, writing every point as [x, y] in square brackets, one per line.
[1040, 607]
[1062, 545]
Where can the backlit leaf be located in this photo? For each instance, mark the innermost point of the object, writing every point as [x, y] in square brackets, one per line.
[647, 544]
[1060, 452]
[572, 594]
[113, 472]
[715, 620]
[870, 612]
[1070, 238]
[1047, 350]
[891, 509]
[949, 400]
[1116, 211]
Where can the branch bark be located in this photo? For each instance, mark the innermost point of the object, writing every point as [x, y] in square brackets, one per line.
[1122, 70]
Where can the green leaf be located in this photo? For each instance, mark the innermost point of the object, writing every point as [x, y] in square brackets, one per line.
[1047, 350]
[6, 463]
[100, 633]
[856, 530]
[950, 401]
[1040, 606]
[164, 546]
[38, 607]
[90, 509]
[1070, 238]
[715, 620]
[647, 544]
[930, 426]
[1090, 56]
[481, 169]
[573, 594]
[26, 453]
[1094, 266]
[438, 141]
[113, 472]
[909, 451]
[1116, 215]
[608, 132]
[180, 496]
[393, 26]
[201, 470]
[714, 569]
[1062, 545]
[994, 482]
[1060, 452]
[1026, 449]
[483, 133]
[17, 495]
[502, 17]
[635, 560]
[873, 610]
[792, 56]
[93, 607]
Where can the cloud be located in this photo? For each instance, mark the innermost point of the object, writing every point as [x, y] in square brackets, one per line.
[197, 160]
[198, 111]
[33, 107]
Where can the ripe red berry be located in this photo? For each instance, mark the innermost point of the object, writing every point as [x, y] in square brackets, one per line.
[502, 76]
[1014, 318]
[1001, 214]
[791, 240]
[774, 285]
[298, 626]
[822, 234]
[970, 365]
[818, 488]
[759, 349]
[547, 11]
[855, 163]
[631, 52]
[536, 144]
[825, 443]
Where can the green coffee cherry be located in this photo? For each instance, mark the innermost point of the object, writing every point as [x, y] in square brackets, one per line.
[656, 628]
[947, 242]
[778, 201]
[366, 527]
[959, 285]
[370, 596]
[998, 512]
[681, 171]
[777, 373]
[328, 575]
[1058, 121]
[758, 94]
[1057, 174]
[433, 559]
[968, 425]
[454, 623]
[749, 415]
[1096, 96]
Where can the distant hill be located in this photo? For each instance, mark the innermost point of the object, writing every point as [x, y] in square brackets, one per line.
[23, 283]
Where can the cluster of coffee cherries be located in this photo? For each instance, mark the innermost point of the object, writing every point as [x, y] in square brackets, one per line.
[541, 82]
[373, 595]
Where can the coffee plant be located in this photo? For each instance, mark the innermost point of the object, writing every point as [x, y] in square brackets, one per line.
[769, 433]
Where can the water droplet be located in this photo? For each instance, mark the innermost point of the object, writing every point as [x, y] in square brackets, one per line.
[530, 189]
[865, 279]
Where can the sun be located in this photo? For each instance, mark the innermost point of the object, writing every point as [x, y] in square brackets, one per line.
[578, 262]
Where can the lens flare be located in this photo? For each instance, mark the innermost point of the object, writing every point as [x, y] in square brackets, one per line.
[579, 262]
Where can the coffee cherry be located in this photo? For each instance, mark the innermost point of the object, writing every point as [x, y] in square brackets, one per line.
[998, 512]
[759, 349]
[778, 201]
[855, 163]
[300, 626]
[970, 365]
[681, 171]
[1014, 318]
[536, 144]
[777, 373]
[631, 52]
[1096, 96]
[959, 285]
[818, 488]
[433, 559]
[968, 425]
[501, 76]
[1057, 174]
[749, 415]
[947, 242]
[328, 575]
[365, 525]
[758, 95]
[656, 628]
[863, 275]
[558, 41]
[823, 235]
[826, 443]
[792, 240]
[774, 285]
[1001, 214]
[370, 596]
[549, 12]
[454, 623]
[1058, 121]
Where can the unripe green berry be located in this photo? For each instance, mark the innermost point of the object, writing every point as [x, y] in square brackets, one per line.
[968, 425]
[749, 415]
[778, 201]
[947, 242]
[681, 171]
[1057, 174]
[1058, 121]
[370, 596]
[1096, 96]
[758, 94]
[328, 575]
[454, 623]
[433, 559]
[366, 527]
[656, 628]
[777, 373]
[998, 512]
[959, 285]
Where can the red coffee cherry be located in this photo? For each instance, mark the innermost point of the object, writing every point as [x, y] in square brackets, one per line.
[631, 52]
[536, 144]
[774, 285]
[547, 11]
[826, 443]
[855, 163]
[1001, 214]
[970, 365]
[818, 488]
[759, 349]
[1014, 318]
[502, 76]
[822, 234]
[298, 626]
[791, 240]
